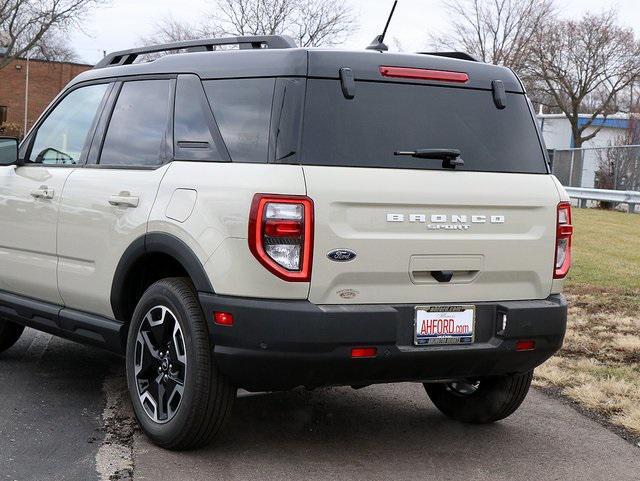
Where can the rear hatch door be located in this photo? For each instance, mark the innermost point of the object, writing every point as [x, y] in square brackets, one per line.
[422, 232]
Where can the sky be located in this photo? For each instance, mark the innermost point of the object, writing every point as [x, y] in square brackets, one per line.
[122, 24]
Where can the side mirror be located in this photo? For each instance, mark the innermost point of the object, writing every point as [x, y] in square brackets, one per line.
[8, 151]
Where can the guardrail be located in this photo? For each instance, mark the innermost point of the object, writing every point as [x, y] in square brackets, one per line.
[629, 197]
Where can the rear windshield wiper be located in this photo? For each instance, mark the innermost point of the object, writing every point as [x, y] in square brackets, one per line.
[450, 157]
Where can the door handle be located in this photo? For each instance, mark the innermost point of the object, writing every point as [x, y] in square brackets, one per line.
[43, 192]
[124, 199]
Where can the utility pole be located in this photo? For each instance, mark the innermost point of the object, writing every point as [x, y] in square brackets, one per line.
[26, 99]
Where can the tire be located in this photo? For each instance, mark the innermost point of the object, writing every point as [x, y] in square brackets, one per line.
[486, 401]
[193, 414]
[9, 334]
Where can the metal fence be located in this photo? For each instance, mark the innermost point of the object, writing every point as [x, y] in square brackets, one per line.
[612, 168]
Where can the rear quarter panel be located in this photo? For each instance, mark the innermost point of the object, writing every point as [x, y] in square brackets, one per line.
[215, 227]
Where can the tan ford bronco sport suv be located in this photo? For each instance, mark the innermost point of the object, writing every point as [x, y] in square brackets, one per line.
[269, 217]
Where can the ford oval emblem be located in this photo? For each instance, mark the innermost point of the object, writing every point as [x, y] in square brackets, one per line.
[341, 255]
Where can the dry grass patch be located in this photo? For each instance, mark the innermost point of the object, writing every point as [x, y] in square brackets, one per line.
[599, 365]
[629, 420]
[609, 389]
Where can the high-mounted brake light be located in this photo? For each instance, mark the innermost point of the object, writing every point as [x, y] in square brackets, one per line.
[281, 235]
[564, 234]
[424, 74]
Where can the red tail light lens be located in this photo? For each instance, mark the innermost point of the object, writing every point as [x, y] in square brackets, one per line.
[424, 74]
[564, 234]
[281, 235]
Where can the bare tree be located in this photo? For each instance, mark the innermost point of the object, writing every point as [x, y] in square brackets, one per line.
[583, 66]
[495, 31]
[618, 167]
[54, 48]
[311, 22]
[24, 24]
[322, 22]
[170, 30]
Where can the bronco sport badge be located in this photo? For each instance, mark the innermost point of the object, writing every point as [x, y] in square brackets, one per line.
[447, 222]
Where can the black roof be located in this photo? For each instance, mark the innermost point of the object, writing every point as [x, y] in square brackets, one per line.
[282, 61]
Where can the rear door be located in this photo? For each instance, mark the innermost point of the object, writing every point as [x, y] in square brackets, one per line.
[423, 232]
[105, 207]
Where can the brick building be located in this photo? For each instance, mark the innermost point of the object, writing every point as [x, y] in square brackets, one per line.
[46, 80]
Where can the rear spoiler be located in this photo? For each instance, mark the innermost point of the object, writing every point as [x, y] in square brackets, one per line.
[458, 55]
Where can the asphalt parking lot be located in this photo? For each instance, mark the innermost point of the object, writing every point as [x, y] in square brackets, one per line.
[65, 418]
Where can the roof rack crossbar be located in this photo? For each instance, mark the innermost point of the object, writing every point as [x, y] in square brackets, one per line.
[458, 55]
[127, 57]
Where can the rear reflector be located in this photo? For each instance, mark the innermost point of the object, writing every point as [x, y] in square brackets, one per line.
[525, 345]
[223, 318]
[364, 352]
[424, 74]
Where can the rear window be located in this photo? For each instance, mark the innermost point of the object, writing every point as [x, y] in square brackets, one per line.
[386, 117]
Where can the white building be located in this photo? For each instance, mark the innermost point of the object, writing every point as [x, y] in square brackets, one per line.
[579, 169]
[556, 130]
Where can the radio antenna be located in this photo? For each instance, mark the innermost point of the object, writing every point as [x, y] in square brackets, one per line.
[378, 42]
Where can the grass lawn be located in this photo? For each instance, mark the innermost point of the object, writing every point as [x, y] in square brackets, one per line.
[599, 365]
[606, 249]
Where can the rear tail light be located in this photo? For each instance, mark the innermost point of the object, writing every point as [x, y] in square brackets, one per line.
[281, 235]
[564, 233]
[424, 74]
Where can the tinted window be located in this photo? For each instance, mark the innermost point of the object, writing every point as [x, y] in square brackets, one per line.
[242, 109]
[196, 135]
[60, 139]
[136, 135]
[385, 118]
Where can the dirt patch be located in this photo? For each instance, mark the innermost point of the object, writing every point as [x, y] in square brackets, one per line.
[114, 461]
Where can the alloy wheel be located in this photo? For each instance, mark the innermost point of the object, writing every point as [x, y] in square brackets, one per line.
[160, 364]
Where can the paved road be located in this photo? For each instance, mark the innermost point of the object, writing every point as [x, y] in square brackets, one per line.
[393, 432]
[52, 401]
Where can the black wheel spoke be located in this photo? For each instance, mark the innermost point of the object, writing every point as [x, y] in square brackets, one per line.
[151, 347]
[161, 327]
[175, 380]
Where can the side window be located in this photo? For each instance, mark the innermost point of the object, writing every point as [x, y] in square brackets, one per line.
[137, 132]
[196, 135]
[61, 138]
[242, 109]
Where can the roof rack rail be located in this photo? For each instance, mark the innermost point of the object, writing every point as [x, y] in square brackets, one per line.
[127, 57]
[458, 55]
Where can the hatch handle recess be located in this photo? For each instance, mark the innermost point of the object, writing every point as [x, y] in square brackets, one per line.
[442, 276]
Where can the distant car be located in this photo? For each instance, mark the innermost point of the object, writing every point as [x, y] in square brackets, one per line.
[274, 217]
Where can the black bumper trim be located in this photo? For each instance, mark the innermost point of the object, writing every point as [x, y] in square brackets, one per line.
[283, 344]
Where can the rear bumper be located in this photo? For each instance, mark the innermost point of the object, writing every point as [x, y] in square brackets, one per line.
[277, 345]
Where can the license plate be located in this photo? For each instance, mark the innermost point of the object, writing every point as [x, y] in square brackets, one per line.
[444, 325]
